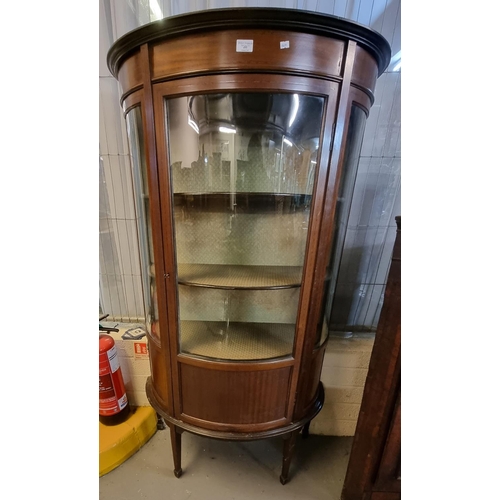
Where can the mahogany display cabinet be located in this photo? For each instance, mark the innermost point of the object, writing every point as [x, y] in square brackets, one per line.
[245, 129]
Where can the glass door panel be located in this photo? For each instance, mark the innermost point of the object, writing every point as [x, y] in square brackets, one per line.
[142, 204]
[355, 131]
[243, 167]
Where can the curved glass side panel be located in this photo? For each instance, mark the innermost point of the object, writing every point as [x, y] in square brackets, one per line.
[141, 194]
[355, 133]
[243, 168]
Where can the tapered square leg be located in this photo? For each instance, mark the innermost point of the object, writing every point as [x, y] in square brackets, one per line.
[288, 450]
[175, 437]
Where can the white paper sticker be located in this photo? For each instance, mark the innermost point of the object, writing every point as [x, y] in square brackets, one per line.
[244, 45]
[114, 364]
[285, 44]
[122, 402]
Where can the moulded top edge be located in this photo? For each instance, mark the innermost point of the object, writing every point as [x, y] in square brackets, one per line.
[263, 18]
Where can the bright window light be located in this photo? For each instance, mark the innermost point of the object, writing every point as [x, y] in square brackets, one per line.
[193, 125]
[295, 108]
[156, 10]
[227, 130]
[395, 63]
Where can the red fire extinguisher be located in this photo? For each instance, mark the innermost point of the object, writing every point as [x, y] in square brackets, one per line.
[113, 403]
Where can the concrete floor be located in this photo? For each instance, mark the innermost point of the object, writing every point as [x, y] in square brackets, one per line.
[222, 470]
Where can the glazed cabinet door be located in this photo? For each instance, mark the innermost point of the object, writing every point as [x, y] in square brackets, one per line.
[135, 130]
[242, 172]
[242, 168]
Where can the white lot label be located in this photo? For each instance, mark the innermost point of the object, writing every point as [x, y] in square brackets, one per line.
[114, 364]
[244, 45]
[285, 44]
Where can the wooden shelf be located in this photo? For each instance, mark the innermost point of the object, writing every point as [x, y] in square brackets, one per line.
[236, 341]
[234, 277]
[243, 202]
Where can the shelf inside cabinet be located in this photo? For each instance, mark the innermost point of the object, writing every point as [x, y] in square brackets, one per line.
[239, 277]
[236, 341]
[243, 202]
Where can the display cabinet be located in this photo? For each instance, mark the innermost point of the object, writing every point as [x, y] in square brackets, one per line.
[245, 129]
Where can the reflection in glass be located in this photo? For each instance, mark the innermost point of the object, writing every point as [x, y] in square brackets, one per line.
[141, 192]
[243, 168]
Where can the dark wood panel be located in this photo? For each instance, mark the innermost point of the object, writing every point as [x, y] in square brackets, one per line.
[130, 74]
[380, 396]
[365, 70]
[257, 431]
[314, 376]
[159, 371]
[217, 51]
[234, 397]
[132, 100]
[383, 495]
[388, 471]
[362, 99]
